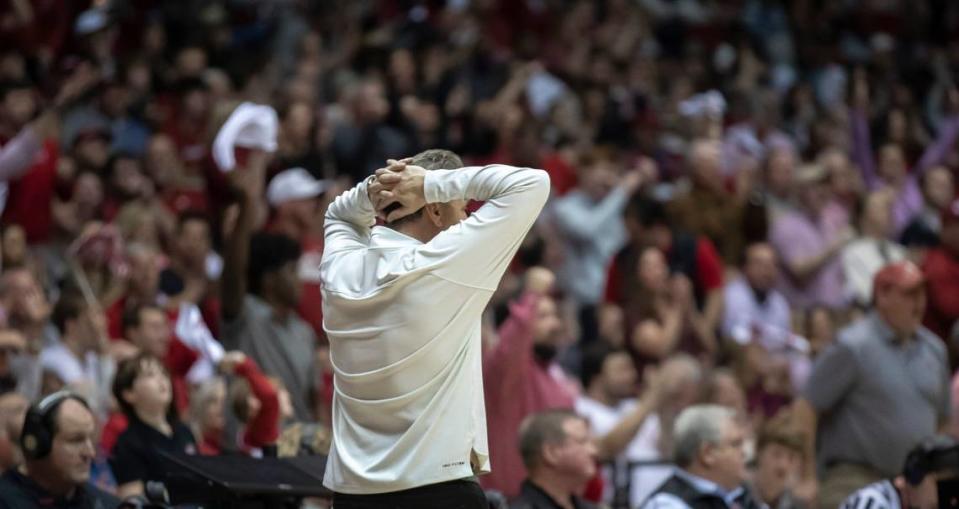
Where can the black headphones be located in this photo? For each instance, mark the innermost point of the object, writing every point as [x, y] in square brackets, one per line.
[36, 440]
[934, 454]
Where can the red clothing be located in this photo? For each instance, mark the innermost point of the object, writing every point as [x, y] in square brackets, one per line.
[706, 273]
[31, 196]
[941, 269]
[562, 176]
[115, 426]
[517, 385]
[264, 428]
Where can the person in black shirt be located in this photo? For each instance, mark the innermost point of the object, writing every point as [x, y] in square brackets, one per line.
[143, 390]
[57, 441]
[560, 457]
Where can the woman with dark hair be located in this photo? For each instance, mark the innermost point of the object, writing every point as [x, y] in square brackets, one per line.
[144, 392]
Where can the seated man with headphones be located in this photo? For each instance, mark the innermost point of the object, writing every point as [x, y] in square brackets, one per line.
[58, 447]
[931, 471]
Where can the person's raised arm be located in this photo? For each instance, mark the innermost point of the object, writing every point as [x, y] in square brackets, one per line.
[349, 218]
[476, 251]
[617, 439]
[945, 140]
[247, 183]
[582, 223]
[862, 153]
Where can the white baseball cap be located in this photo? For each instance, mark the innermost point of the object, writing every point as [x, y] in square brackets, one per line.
[293, 184]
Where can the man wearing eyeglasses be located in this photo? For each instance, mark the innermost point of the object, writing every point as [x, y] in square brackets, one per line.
[711, 464]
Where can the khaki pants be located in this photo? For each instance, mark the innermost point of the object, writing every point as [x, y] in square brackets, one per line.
[842, 480]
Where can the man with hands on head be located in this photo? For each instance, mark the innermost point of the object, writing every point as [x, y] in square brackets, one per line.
[402, 306]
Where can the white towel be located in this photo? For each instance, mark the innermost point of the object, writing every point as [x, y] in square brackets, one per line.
[250, 125]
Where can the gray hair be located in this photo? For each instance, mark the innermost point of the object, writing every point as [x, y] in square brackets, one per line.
[539, 429]
[697, 426]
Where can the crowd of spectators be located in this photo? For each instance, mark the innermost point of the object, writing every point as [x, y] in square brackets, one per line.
[753, 209]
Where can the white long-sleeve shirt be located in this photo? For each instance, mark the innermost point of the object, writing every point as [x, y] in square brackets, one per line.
[403, 320]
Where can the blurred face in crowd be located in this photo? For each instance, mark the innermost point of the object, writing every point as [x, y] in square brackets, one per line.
[90, 328]
[144, 272]
[301, 212]
[151, 392]
[705, 163]
[194, 242]
[72, 452]
[877, 214]
[618, 376]
[843, 177]
[23, 298]
[548, 327]
[370, 104]
[575, 457]
[727, 392]
[212, 417]
[815, 195]
[761, 269]
[152, 334]
[196, 104]
[19, 106]
[777, 466]
[298, 124]
[682, 378]
[821, 329]
[162, 161]
[191, 62]
[939, 187]
[726, 460]
[892, 164]
[652, 270]
[902, 308]
[897, 126]
[598, 179]
[114, 100]
[127, 177]
[779, 171]
[284, 285]
[92, 152]
[14, 246]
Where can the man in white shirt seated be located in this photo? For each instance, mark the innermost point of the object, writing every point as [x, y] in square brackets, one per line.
[711, 463]
[401, 306]
[626, 426]
[930, 463]
[871, 250]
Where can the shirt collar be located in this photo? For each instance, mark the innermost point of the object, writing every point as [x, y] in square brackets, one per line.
[706, 486]
[384, 236]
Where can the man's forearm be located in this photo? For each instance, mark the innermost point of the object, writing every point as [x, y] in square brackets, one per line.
[354, 207]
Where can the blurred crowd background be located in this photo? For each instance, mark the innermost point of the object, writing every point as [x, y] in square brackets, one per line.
[728, 179]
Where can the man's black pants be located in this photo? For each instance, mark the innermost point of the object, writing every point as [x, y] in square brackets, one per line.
[460, 494]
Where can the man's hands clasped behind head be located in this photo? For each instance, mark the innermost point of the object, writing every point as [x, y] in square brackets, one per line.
[397, 190]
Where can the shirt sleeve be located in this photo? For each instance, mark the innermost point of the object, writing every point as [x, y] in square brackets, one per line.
[478, 250]
[348, 221]
[832, 377]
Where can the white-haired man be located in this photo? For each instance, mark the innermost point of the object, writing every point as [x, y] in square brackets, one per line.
[711, 464]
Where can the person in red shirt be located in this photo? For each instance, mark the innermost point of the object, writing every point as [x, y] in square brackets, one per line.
[941, 269]
[260, 403]
[521, 377]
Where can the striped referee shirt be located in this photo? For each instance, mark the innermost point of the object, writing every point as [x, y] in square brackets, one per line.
[878, 495]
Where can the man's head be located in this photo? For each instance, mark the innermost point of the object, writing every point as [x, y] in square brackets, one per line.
[651, 222]
[193, 238]
[723, 389]
[934, 460]
[938, 187]
[608, 371]
[58, 442]
[79, 323]
[892, 163]
[22, 297]
[949, 236]
[271, 273]
[708, 442]
[683, 376]
[761, 269]
[147, 327]
[433, 217]
[704, 159]
[142, 386]
[876, 218]
[547, 329]
[18, 103]
[556, 444]
[779, 456]
[899, 294]
[294, 195]
[144, 261]
[812, 181]
[598, 171]
[780, 170]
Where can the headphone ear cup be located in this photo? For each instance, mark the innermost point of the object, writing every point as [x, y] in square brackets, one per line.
[35, 438]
